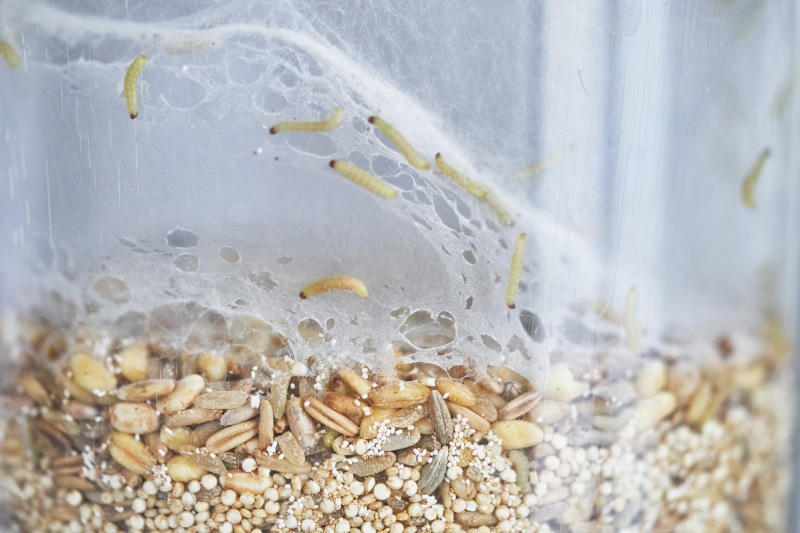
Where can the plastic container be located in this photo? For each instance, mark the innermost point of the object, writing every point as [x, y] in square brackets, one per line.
[163, 372]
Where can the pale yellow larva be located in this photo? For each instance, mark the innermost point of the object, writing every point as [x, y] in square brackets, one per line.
[541, 166]
[9, 53]
[629, 321]
[751, 179]
[517, 259]
[363, 178]
[337, 283]
[328, 124]
[411, 155]
[475, 189]
[129, 86]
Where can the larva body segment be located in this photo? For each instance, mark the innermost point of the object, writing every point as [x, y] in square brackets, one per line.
[310, 127]
[475, 189]
[751, 179]
[9, 53]
[411, 155]
[629, 320]
[493, 203]
[541, 166]
[515, 274]
[129, 86]
[337, 283]
[363, 178]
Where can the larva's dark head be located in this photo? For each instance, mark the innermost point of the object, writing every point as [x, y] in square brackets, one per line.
[303, 295]
[273, 131]
[134, 115]
[372, 119]
[332, 164]
[438, 155]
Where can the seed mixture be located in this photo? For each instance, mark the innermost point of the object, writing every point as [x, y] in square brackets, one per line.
[122, 436]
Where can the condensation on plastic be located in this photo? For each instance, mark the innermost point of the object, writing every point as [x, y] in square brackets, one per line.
[193, 213]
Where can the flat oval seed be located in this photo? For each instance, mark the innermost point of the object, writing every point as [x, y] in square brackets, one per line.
[183, 469]
[186, 390]
[145, 390]
[517, 434]
[129, 417]
[224, 399]
[372, 465]
[239, 481]
[455, 392]
[92, 374]
[399, 395]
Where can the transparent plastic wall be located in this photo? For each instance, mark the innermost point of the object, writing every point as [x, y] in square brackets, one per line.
[164, 373]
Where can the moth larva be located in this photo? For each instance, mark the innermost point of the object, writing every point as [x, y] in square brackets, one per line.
[310, 127]
[11, 55]
[129, 86]
[337, 283]
[629, 321]
[541, 166]
[475, 189]
[502, 214]
[751, 179]
[363, 178]
[411, 155]
[516, 270]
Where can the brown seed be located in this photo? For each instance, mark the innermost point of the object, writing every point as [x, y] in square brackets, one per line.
[399, 395]
[371, 422]
[370, 466]
[192, 416]
[464, 488]
[300, 423]
[405, 417]
[359, 385]
[347, 405]
[201, 433]
[519, 405]
[92, 374]
[183, 469]
[330, 418]
[432, 473]
[475, 421]
[145, 390]
[266, 425]
[240, 414]
[440, 416]
[131, 453]
[213, 367]
[160, 451]
[283, 466]
[232, 436]
[517, 434]
[130, 417]
[204, 459]
[291, 448]
[35, 391]
[176, 438]
[223, 399]
[73, 482]
[80, 410]
[134, 362]
[241, 482]
[484, 406]
[405, 438]
[279, 393]
[186, 390]
[455, 392]
[476, 519]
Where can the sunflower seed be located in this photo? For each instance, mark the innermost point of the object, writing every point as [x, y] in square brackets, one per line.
[266, 425]
[186, 390]
[192, 416]
[372, 465]
[399, 395]
[359, 385]
[475, 421]
[517, 434]
[291, 448]
[131, 453]
[300, 423]
[240, 414]
[130, 417]
[232, 436]
[223, 399]
[455, 392]
[519, 405]
[92, 374]
[432, 473]
[284, 466]
[145, 390]
[330, 418]
[239, 481]
[440, 416]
